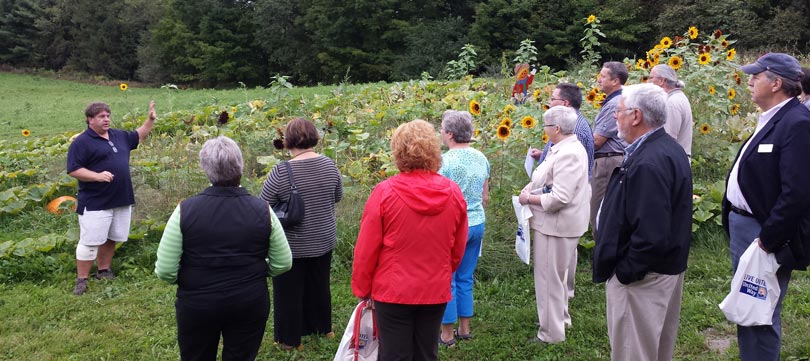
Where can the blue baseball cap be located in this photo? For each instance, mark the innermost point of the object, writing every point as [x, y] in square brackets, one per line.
[780, 64]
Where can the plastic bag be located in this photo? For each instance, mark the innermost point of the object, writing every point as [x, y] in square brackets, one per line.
[360, 341]
[522, 238]
[754, 289]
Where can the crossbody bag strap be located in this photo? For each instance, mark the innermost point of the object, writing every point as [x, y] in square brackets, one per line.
[290, 173]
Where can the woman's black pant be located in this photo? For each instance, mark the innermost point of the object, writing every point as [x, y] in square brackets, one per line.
[409, 332]
[302, 300]
[240, 321]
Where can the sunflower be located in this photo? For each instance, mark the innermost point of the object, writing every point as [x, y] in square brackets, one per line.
[675, 62]
[737, 78]
[508, 109]
[666, 42]
[123, 87]
[506, 122]
[580, 85]
[639, 64]
[734, 109]
[477, 132]
[475, 108]
[26, 132]
[591, 96]
[503, 132]
[536, 95]
[693, 32]
[731, 54]
[704, 58]
[724, 43]
[591, 18]
[545, 138]
[718, 34]
[545, 107]
[705, 129]
[527, 122]
[731, 94]
[712, 91]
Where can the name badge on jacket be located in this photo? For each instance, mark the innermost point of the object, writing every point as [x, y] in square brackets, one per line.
[765, 148]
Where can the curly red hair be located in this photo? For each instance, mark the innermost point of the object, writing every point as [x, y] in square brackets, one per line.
[415, 146]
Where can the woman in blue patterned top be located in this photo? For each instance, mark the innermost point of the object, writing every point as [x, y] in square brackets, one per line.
[469, 168]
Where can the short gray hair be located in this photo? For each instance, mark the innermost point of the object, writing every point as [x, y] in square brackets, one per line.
[222, 162]
[459, 123]
[791, 87]
[562, 116]
[650, 99]
[666, 72]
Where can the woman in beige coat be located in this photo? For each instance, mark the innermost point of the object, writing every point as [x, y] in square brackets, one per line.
[559, 197]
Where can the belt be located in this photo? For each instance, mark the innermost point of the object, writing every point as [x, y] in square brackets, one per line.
[741, 212]
[608, 154]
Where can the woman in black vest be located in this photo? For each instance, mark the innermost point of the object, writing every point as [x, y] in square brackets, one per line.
[219, 247]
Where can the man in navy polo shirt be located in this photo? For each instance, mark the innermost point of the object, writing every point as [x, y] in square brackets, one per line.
[99, 159]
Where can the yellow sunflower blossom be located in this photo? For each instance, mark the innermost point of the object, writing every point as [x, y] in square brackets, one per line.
[693, 32]
[737, 78]
[26, 132]
[731, 54]
[734, 109]
[536, 95]
[527, 122]
[705, 129]
[504, 132]
[666, 42]
[475, 108]
[508, 109]
[675, 62]
[545, 107]
[731, 94]
[591, 97]
[712, 91]
[724, 43]
[123, 86]
[506, 122]
[477, 132]
[591, 18]
[579, 84]
[639, 64]
[704, 58]
[545, 138]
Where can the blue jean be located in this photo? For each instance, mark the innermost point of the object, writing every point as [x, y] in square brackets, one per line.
[758, 343]
[462, 283]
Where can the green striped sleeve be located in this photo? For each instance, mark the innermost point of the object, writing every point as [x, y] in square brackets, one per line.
[170, 249]
[279, 255]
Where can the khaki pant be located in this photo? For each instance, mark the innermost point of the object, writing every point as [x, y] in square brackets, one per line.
[602, 169]
[643, 317]
[551, 258]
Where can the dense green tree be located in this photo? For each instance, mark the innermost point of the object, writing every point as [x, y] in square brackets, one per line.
[17, 32]
[210, 42]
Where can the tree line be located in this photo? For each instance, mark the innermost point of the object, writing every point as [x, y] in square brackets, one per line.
[223, 42]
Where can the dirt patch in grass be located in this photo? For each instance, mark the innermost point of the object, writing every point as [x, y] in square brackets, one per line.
[718, 340]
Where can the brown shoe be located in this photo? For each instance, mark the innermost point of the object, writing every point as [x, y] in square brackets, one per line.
[81, 286]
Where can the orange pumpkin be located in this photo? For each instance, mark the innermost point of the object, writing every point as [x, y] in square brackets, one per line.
[55, 206]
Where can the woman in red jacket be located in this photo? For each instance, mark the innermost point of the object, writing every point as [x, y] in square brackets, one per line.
[412, 237]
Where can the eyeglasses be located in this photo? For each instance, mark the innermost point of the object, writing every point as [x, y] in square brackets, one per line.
[616, 112]
[115, 150]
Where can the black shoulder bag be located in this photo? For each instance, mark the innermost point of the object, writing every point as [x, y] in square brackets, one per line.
[291, 212]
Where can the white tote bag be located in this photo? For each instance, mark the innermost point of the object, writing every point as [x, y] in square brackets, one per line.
[360, 341]
[754, 289]
[522, 238]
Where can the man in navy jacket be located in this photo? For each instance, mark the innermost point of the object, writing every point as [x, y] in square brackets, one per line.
[644, 231]
[767, 196]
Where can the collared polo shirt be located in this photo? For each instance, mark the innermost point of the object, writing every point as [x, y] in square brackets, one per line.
[92, 152]
[605, 125]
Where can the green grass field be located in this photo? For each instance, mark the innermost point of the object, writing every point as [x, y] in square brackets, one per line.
[132, 317]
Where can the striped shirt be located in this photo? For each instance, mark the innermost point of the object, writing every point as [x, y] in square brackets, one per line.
[321, 186]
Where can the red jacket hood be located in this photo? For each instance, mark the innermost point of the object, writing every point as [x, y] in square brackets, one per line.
[422, 191]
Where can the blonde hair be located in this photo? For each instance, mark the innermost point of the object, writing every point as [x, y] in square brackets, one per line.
[415, 146]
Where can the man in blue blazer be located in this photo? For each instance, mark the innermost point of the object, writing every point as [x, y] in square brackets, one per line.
[767, 196]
